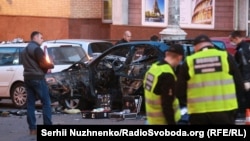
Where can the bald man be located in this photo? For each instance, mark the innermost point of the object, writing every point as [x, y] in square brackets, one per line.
[126, 37]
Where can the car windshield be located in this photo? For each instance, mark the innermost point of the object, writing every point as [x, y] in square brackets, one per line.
[67, 55]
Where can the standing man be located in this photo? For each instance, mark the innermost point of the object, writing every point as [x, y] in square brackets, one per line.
[207, 84]
[162, 106]
[154, 38]
[126, 37]
[242, 57]
[35, 67]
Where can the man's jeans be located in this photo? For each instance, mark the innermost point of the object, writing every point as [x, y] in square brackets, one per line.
[38, 89]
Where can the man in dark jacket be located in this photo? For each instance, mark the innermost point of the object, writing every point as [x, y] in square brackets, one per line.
[126, 37]
[242, 57]
[35, 67]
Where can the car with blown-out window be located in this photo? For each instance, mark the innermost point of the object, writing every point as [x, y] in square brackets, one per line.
[92, 47]
[11, 69]
[117, 72]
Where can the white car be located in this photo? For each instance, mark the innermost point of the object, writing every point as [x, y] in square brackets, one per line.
[92, 46]
[11, 69]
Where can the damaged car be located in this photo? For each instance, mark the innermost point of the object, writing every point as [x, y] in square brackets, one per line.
[117, 72]
[12, 82]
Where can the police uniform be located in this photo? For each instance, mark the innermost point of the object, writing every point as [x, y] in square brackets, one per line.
[162, 106]
[207, 85]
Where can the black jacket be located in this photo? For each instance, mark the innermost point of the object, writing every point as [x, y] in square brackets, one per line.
[242, 57]
[34, 62]
[121, 41]
[164, 87]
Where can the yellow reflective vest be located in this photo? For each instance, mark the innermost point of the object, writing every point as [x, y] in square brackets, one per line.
[211, 88]
[153, 101]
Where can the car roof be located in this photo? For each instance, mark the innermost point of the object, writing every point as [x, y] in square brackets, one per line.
[86, 44]
[162, 46]
[49, 44]
[140, 42]
[79, 41]
[13, 44]
[44, 43]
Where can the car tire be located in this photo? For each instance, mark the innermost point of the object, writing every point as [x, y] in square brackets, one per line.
[18, 95]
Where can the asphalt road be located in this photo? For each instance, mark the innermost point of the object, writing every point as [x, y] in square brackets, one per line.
[13, 125]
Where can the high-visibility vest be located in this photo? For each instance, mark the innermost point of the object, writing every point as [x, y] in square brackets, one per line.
[153, 101]
[211, 88]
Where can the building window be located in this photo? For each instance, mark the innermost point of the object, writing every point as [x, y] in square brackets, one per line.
[107, 11]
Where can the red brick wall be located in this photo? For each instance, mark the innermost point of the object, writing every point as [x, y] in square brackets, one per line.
[88, 29]
[134, 12]
[224, 13]
[52, 8]
[144, 33]
[52, 28]
[17, 26]
[82, 19]
[138, 32]
[56, 19]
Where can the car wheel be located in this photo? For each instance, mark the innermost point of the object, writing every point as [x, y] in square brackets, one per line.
[18, 95]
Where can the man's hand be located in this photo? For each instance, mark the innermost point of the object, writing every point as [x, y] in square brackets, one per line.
[247, 86]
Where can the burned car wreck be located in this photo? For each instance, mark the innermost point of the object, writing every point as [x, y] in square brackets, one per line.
[118, 72]
[66, 87]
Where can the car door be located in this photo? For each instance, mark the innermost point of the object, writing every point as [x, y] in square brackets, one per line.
[9, 64]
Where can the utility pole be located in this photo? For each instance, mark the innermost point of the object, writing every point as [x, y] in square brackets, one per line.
[173, 30]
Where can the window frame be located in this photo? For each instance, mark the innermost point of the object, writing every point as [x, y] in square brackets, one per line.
[107, 11]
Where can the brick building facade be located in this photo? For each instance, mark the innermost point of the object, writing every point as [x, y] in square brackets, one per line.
[56, 19]
[83, 19]
[224, 17]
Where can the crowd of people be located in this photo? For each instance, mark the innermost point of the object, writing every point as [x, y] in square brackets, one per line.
[207, 84]
[211, 84]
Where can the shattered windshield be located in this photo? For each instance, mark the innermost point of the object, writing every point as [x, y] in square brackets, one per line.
[67, 55]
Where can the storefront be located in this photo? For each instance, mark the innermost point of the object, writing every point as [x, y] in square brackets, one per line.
[144, 18]
[148, 17]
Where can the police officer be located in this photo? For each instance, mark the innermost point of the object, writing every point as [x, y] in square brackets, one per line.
[207, 84]
[162, 106]
[242, 57]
